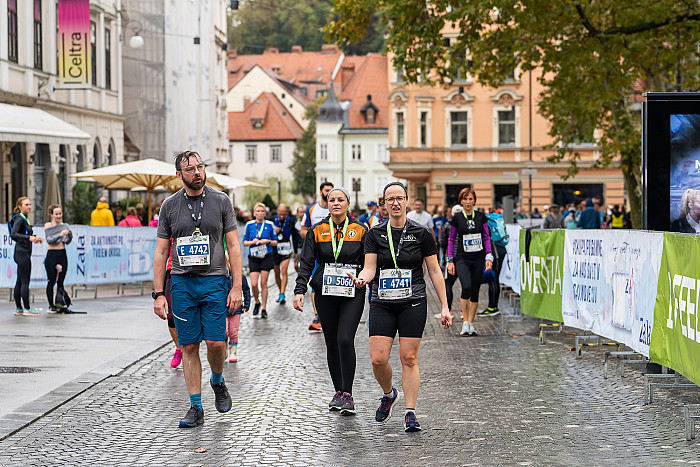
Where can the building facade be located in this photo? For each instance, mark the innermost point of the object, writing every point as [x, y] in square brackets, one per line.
[175, 84]
[443, 139]
[352, 132]
[64, 131]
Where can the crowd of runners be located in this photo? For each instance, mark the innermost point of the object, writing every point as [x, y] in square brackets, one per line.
[377, 261]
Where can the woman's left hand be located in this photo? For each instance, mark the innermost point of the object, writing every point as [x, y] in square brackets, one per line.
[489, 265]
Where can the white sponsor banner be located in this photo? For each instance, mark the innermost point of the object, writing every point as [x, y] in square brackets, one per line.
[510, 272]
[97, 255]
[609, 283]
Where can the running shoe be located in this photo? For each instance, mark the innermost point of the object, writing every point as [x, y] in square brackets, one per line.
[256, 309]
[337, 402]
[53, 310]
[280, 297]
[194, 417]
[19, 312]
[233, 353]
[30, 312]
[410, 423]
[263, 313]
[283, 300]
[473, 330]
[177, 359]
[222, 397]
[315, 325]
[466, 330]
[348, 407]
[386, 405]
[491, 311]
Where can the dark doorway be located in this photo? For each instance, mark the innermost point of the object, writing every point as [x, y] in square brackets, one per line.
[565, 193]
[15, 188]
[452, 193]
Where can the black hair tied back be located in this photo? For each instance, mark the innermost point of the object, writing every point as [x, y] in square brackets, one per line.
[392, 184]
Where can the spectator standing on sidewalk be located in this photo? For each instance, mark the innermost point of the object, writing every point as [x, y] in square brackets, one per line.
[23, 236]
[589, 218]
[58, 235]
[131, 220]
[554, 220]
[198, 219]
[102, 215]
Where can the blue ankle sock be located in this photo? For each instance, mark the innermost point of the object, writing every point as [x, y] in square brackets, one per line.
[196, 399]
[217, 378]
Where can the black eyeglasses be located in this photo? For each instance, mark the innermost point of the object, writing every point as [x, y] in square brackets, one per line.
[190, 170]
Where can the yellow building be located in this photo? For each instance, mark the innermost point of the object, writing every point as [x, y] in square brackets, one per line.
[465, 134]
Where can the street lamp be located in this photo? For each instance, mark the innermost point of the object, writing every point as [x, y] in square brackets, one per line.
[356, 188]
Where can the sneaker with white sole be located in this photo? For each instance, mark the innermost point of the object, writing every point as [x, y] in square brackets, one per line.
[30, 312]
[386, 405]
[466, 330]
[348, 407]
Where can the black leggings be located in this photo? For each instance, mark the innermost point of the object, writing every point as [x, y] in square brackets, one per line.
[24, 273]
[449, 282]
[340, 317]
[470, 272]
[499, 258]
[53, 258]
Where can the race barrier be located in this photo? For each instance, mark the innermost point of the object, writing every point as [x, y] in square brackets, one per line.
[638, 288]
[97, 255]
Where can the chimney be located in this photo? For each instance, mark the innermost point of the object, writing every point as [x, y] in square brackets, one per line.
[233, 53]
[246, 101]
[272, 50]
[329, 49]
[296, 49]
[346, 73]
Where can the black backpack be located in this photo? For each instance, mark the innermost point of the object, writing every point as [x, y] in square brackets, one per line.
[62, 299]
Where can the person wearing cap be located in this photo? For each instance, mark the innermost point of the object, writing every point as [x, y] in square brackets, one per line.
[336, 244]
[371, 211]
[554, 219]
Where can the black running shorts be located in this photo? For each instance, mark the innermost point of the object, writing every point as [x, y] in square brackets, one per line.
[260, 264]
[406, 317]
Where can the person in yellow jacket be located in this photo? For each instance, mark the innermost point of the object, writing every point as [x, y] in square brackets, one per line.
[102, 215]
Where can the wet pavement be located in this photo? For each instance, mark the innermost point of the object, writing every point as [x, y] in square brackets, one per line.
[500, 398]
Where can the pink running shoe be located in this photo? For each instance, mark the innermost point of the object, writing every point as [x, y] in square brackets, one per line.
[177, 358]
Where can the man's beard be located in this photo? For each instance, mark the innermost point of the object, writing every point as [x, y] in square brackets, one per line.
[324, 198]
[195, 185]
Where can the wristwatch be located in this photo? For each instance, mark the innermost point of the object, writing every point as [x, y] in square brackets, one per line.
[155, 294]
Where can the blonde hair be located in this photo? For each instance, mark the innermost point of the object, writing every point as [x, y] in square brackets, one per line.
[20, 200]
[688, 196]
[259, 205]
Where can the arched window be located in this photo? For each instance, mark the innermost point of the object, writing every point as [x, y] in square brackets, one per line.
[111, 153]
[80, 159]
[96, 155]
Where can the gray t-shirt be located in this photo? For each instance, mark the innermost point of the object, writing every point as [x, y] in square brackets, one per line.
[218, 219]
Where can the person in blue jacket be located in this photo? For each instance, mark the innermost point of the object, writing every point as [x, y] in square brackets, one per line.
[589, 219]
[260, 237]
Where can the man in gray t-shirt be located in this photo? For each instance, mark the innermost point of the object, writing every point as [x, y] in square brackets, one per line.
[197, 220]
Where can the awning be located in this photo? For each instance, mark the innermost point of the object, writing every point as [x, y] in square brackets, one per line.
[28, 125]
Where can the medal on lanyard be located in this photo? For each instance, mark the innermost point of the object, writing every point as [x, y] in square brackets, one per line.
[470, 222]
[197, 218]
[336, 251]
[391, 242]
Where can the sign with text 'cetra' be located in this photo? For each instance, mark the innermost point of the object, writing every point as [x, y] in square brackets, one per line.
[675, 339]
[74, 56]
[541, 266]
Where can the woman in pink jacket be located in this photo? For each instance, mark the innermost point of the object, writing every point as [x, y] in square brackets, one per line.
[130, 220]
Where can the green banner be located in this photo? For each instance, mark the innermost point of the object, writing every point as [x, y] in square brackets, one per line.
[675, 337]
[541, 274]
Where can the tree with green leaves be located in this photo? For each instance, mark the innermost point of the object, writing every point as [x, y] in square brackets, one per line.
[304, 162]
[260, 24]
[82, 203]
[595, 59]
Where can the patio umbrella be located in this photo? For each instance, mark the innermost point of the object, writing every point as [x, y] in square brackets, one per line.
[52, 193]
[146, 173]
[225, 182]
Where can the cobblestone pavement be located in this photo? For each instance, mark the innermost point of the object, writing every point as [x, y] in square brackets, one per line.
[487, 400]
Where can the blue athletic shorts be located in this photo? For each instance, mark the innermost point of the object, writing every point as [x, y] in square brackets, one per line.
[199, 307]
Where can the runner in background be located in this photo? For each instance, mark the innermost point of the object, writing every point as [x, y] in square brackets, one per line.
[315, 214]
[260, 237]
[420, 216]
[298, 222]
[288, 240]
